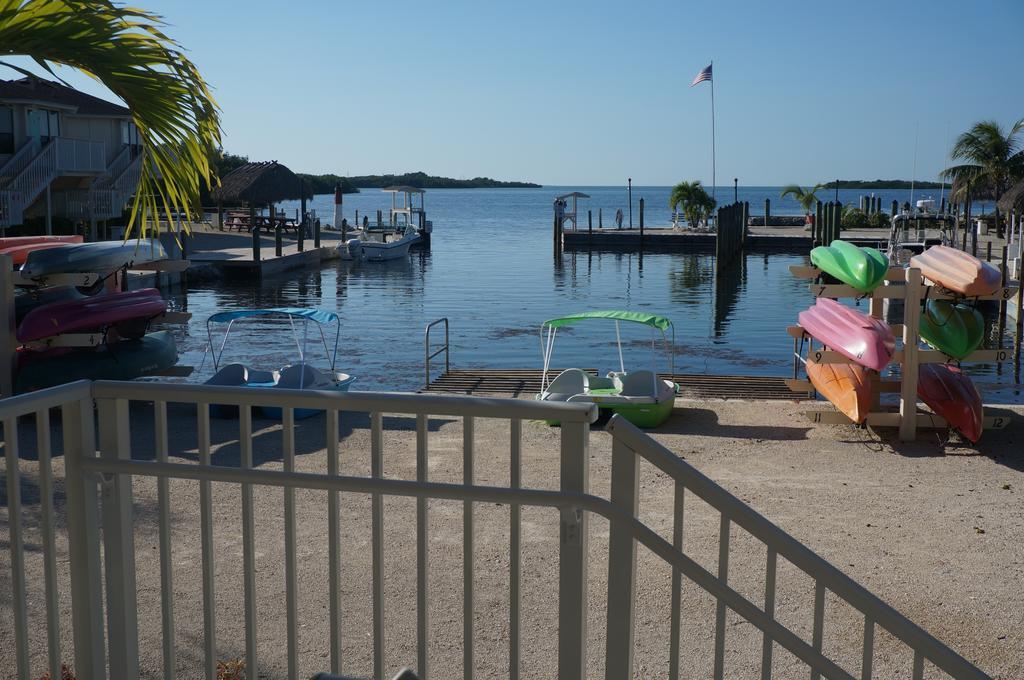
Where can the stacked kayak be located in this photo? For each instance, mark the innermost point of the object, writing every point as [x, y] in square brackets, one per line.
[951, 394]
[103, 256]
[860, 268]
[956, 330]
[124, 312]
[19, 248]
[845, 385]
[957, 271]
[861, 338]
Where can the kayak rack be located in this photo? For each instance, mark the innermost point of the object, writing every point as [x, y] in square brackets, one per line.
[912, 288]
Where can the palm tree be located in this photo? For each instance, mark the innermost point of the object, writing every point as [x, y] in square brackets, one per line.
[125, 49]
[695, 202]
[994, 159]
[807, 198]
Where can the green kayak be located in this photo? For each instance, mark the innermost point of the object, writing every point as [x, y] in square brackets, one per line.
[123, 360]
[860, 268]
[956, 330]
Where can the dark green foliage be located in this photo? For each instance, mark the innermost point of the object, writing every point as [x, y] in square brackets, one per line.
[880, 184]
[855, 218]
[879, 220]
[422, 180]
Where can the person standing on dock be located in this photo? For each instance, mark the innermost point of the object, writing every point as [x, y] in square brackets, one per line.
[618, 218]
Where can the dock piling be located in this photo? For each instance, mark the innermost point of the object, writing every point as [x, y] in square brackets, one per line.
[641, 222]
[767, 211]
[255, 233]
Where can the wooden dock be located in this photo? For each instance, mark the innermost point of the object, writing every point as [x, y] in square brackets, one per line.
[526, 382]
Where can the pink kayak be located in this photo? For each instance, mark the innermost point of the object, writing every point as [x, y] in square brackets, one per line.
[865, 340]
[92, 313]
[958, 271]
[951, 394]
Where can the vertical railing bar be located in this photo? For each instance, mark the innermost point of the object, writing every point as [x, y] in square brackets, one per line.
[422, 550]
[377, 531]
[677, 583]
[19, 604]
[866, 665]
[49, 543]
[290, 564]
[769, 609]
[819, 622]
[918, 673]
[723, 576]
[166, 561]
[621, 616]
[119, 543]
[79, 433]
[248, 545]
[574, 477]
[467, 550]
[334, 543]
[515, 550]
[206, 539]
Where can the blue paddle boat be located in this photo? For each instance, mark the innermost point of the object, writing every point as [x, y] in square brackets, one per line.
[299, 375]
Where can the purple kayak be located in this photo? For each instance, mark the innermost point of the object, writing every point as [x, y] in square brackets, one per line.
[864, 339]
[91, 313]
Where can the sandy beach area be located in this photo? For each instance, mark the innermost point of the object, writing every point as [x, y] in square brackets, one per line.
[936, 532]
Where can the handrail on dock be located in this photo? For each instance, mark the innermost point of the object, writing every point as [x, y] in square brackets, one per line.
[427, 356]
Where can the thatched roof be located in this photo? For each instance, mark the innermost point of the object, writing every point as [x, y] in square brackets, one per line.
[980, 191]
[261, 184]
[1014, 198]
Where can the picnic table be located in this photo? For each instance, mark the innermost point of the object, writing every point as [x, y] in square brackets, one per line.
[239, 219]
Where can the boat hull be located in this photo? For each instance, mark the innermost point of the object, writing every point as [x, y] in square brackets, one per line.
[955, 330]
[860, 268]
[957, 271]
[859, 337]
[275, 413]
[951, 394]
[92, 313]
[847, 386]
[105, 256]
[117, 361]
[374, 251]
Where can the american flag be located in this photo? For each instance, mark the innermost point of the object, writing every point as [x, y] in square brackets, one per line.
[702, 76]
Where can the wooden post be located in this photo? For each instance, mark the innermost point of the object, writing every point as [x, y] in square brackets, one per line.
[301, 239]
[988, 251]
[255, 233]
[909, 368]
[278, 244]
[1002, 303]
[767, 211]
[316, 234]
[302, 213]
[895, 208]
[590, 220]
[942, 206]
[600, 218]
[220, 215]
[357, 219]
[8, 340]
[746, 220]
[641, 217]
[817, 226]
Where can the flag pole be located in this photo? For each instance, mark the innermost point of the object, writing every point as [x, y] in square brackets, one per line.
[712, 129]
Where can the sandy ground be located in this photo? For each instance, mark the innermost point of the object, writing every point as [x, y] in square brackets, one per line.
[936, 532]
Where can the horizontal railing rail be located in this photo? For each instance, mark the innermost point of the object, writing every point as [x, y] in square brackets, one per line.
[80, 155]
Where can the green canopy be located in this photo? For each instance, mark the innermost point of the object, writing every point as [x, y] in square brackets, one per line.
[652, 320]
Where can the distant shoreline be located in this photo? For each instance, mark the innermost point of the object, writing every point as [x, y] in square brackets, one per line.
[884, 184]
[324, 184]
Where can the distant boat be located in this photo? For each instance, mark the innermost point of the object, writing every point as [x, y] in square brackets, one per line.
[391, 240]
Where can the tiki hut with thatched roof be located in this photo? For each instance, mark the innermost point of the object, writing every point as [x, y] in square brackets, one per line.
[1012, 199]
[260, 184]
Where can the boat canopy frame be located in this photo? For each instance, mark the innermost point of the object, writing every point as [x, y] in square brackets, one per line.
[653, 321]
[320, 316]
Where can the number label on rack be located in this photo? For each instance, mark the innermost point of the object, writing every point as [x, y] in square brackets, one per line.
[818, 356]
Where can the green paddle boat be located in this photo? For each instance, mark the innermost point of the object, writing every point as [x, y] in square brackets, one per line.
[859, 268]
[956, 330]
[640, 396]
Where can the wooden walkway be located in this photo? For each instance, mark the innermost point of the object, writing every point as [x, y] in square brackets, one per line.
[524, 382]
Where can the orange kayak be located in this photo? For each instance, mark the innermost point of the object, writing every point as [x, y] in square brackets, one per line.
[12, 241]
[957, 271]
[20, 253]
[845, 385]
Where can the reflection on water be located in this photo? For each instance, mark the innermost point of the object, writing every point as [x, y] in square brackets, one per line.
[490, 271]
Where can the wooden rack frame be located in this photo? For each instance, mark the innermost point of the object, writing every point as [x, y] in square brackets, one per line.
[916, 289]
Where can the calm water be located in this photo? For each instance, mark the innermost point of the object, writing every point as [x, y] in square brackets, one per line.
[491, 272]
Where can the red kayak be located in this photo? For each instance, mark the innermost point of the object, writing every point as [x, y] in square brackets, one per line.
[14, 241]
[951, 394]
[128, 312]
[862, 338]
[20, 253]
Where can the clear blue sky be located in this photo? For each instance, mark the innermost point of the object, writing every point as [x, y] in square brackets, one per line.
[593, 92]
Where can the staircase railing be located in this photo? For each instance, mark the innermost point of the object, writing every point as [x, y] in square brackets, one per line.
[33, 178]
[16, 163]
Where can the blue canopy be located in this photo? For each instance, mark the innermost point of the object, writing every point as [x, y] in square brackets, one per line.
[321, 316]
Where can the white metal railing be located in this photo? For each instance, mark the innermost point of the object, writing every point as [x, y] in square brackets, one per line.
[35, 176]
[16, 163]
[103, 512]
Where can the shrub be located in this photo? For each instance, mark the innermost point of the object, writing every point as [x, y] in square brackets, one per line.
[854, 218]
[879, 220]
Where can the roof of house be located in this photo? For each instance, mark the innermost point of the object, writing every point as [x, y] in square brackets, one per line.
[260, 184]
[48, 91]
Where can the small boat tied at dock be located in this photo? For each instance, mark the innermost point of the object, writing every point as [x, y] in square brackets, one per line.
[300, 375]
[407, 225]
[640, 396]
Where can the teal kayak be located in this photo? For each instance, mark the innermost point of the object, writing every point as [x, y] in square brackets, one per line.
[860, 268]
[956, 330]
[123, 360]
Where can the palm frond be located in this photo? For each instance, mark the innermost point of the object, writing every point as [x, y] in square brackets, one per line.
[125, 49]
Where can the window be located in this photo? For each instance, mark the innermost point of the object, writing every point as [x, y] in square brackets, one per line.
[6, 129]
[43, 124]
[129, 133]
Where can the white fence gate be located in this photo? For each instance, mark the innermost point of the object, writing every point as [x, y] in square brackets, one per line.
[104, 615]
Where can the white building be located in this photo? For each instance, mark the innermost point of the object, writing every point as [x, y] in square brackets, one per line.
[63, 153]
